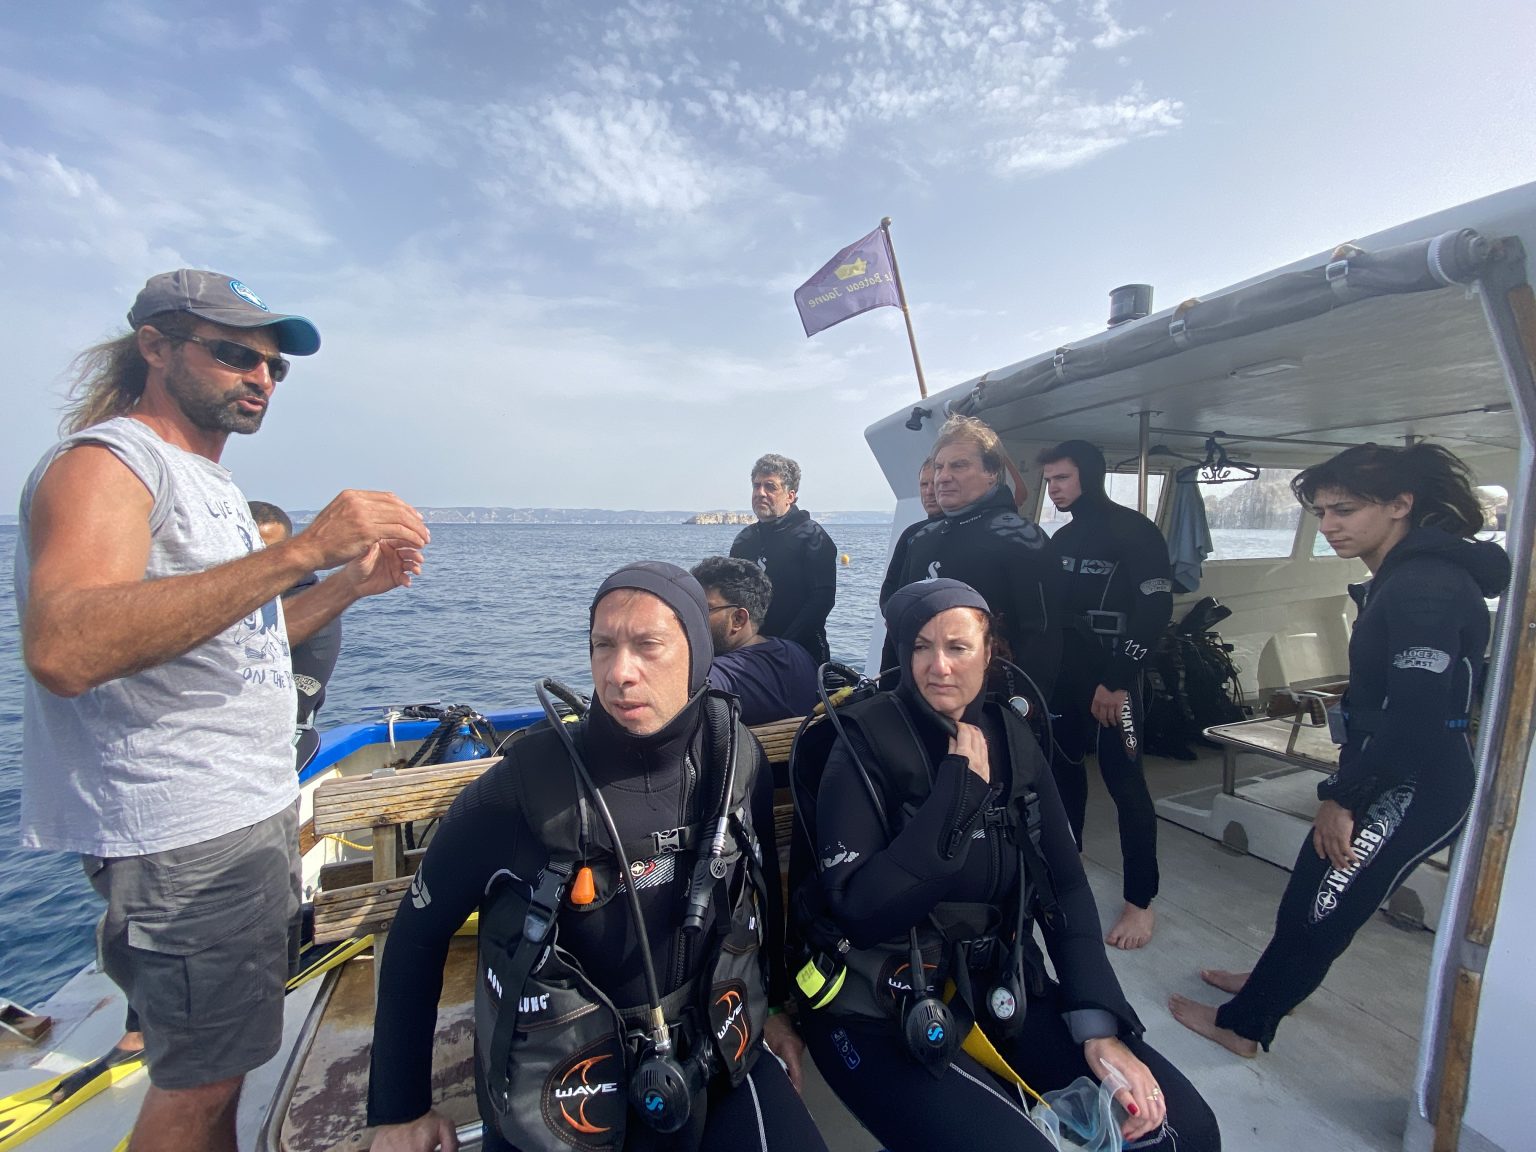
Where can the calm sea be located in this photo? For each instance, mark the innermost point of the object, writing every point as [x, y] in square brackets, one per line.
[498, 607]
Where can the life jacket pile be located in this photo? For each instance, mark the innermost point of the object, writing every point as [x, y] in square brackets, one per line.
[554, 1053]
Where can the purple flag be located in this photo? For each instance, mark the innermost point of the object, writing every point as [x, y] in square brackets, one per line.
[855, 280]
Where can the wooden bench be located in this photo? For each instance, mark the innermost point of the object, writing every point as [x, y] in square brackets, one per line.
[777, 739]
[383, 804]
[360, 896]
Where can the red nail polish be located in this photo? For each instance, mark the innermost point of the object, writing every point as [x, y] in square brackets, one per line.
[1132, 1109]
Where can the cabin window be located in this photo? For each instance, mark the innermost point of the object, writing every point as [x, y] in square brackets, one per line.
[1121, 487]
[1495, 499]
[1252, 519]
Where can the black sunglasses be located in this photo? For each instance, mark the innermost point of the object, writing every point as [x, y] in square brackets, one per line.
[239, 357]
[722, 608]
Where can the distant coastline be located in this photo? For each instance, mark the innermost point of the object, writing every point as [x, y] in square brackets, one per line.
[474, 514]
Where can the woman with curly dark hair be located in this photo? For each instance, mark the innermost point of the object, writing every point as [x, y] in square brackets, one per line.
[1405, 775]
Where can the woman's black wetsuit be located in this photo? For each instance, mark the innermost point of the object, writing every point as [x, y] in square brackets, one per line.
[949, 849]
[1405, 772]
[650, 784]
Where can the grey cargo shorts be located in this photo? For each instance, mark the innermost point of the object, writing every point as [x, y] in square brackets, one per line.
[198, 940]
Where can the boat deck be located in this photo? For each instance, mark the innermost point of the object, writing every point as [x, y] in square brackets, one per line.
[1339, 1076]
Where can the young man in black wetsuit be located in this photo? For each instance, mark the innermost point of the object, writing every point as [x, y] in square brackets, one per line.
[649, 744]
[1119, 599]
[796, 553]
[984, 541]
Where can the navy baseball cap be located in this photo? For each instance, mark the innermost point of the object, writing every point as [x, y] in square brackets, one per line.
[223, 300]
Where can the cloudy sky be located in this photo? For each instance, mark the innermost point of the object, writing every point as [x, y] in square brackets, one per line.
[551, 245]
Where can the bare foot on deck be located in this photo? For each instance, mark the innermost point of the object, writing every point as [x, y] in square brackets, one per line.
[1229, 982]
[1201, 1018]
[1133, 929]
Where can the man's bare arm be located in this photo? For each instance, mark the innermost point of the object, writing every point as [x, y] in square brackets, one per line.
[91, 615]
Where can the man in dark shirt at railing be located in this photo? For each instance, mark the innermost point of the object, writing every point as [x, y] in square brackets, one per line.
[774, 678]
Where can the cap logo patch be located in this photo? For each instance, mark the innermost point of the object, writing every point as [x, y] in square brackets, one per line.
[247, 295]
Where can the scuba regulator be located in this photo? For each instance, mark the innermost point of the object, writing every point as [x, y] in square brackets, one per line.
[928, 1026]
[661, 1087]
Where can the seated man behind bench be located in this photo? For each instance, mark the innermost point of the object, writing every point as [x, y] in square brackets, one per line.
[774, 678]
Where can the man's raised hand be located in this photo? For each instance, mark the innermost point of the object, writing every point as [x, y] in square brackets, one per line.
[354, 522]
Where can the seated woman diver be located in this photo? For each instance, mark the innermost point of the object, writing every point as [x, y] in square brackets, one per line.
[1405, 775]
[631, 930]
[939, 843]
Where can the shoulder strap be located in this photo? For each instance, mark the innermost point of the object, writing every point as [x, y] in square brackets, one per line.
[1026, 761]
[886, 727]
[521, 945]
[553, 807]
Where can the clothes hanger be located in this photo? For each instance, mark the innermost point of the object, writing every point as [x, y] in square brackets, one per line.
[1217, 467]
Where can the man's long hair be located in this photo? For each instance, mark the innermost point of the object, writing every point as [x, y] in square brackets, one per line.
[107, 379]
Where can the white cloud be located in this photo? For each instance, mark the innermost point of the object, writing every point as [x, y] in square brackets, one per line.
[416, 134]
[1111, 33]
[604, 153]
[374, 30]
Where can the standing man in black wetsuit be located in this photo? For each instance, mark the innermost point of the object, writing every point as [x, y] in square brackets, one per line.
[796, 553]
[1119, 600]
[315, 659]
[983, 541]
[898, 564]
[653, 744]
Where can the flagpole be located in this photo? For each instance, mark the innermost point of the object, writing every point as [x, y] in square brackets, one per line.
[901, 295]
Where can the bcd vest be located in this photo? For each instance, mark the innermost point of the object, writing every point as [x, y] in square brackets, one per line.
[554, 1053]
[975, 937]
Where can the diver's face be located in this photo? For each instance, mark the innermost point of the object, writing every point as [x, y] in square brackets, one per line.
[1356, 527]
[770, 499]
[925, 491]
[639, 661]
[959, 477]
[949, 660]
[1063, 483]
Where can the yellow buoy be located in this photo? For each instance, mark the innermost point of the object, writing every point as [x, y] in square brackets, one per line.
[847, 559]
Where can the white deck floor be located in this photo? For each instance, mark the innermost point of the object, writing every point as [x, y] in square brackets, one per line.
[1341, 1069]
[1338, 1078]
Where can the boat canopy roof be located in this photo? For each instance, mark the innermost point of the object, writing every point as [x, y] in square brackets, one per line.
[1359, 345]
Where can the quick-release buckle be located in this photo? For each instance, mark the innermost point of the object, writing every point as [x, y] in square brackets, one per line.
[668, 841]
[1104, 623]
[544, 903]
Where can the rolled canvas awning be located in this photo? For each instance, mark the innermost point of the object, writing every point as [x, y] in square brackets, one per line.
[1351, 275]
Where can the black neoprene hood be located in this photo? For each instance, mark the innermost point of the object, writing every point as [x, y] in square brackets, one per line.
[911, 607]
[678, 590]
[1090, 464]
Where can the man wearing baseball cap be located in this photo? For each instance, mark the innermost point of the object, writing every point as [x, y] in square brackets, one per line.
[158, 717]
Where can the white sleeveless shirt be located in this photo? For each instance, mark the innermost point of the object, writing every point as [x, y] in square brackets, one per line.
[185, 751]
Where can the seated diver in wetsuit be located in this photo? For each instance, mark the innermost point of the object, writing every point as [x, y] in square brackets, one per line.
[683, 923]
[938, 813]
[1405, 775]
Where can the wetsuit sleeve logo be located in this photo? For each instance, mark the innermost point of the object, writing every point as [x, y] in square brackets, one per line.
[1427, 659]
[1153, 587]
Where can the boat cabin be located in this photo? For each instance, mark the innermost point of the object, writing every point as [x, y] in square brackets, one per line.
[1426, 331]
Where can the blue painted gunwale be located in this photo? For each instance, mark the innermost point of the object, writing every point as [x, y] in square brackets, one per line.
[338, 743]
